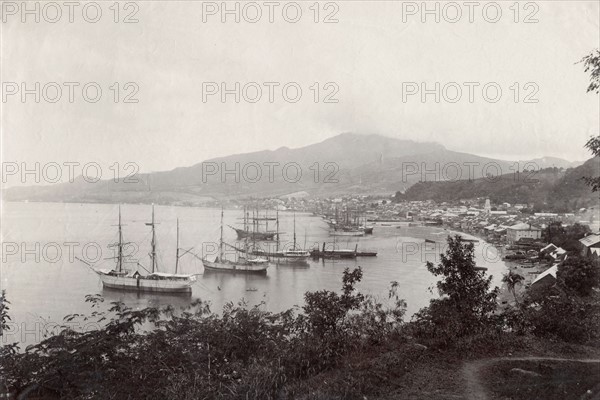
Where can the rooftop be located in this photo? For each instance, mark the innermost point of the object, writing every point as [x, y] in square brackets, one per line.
[550, 271]
[590, 240]
[524, 227]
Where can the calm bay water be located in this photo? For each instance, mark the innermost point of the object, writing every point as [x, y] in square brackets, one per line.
[44, 282]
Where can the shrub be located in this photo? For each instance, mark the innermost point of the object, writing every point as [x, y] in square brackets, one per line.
[466, 305]
[579, 275]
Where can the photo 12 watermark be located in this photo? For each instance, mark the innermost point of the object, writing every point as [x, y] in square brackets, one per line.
[268, 172]
[37, 331]
[68, 171]
[55, 12]
[432, 251]
[452, 12]
[253, 12]
[471, 92]
[69, 92]
[452, 171]
[89, 253]
[269, 92]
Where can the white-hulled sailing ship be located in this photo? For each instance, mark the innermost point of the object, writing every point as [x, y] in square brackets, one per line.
[153, 281]
[286, 256]
[247, 263]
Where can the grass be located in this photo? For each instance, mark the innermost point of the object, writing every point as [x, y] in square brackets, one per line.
[549, 380]
[398, 371]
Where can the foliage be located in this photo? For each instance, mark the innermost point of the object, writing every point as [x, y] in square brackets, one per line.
[512, 279]
[549, 189]
[593, 145]
[565, 237]
[562, 316]
[579, 274]
[591, 63]
[4, 308]
[466, 305]
[569, 311]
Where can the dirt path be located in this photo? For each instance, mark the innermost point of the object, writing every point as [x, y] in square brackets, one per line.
[475, 390]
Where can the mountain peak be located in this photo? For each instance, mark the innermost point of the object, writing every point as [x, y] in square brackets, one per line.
[379, 139]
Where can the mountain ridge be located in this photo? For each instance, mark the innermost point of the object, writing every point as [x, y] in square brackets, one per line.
[348, 162]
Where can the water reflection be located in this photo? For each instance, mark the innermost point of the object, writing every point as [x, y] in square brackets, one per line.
[149, 299]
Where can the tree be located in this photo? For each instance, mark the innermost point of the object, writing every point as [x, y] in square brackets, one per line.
[553, 232]
[591, 63]
[593, 145]
[577, 231]
[512, 279]
[565, 237]
[579, 275]
[4, 317]
[326, 310]
[466, 304]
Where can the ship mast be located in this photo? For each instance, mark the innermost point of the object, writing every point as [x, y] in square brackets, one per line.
[221, 240]
[120, 256]
[254, 229]
[277, 227]
[294, 230]
[177, 248]
[337, 222]
[153, 252]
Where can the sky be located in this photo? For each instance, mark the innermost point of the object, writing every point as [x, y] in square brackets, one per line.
[373, 62]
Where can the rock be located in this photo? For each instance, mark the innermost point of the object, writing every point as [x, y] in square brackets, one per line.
[524, 372]
[419, 346]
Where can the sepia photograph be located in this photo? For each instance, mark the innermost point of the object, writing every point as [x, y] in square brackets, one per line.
[300, 200]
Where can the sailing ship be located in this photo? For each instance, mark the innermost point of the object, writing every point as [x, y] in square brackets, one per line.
[348, 226]
[154, 281]
[254, 233]
[347, 232]
[248, 263]
[286, 256]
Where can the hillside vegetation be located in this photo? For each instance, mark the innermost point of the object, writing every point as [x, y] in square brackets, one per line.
[550, 189]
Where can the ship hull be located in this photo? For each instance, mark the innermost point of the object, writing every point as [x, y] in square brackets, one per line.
[289, 259]
[242, 234]
[300, 262]
[141, 284]
[348, 254]
[347, 233]
[231, 266]
[283, 258]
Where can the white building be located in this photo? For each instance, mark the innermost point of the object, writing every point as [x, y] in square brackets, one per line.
[516, 232]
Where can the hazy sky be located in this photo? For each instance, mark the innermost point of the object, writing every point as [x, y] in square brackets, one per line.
[369, 54]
